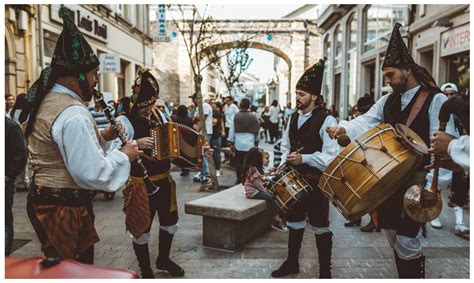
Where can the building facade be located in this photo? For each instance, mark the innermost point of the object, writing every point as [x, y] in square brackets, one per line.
[440, 38]
[20, 52]
[119, 30]
[355, 38]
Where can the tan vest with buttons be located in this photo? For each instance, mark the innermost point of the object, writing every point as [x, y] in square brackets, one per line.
[45, 159]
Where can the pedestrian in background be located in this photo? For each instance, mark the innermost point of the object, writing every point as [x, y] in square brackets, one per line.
[243, 135]
[265, 122]
[15, 162]
[230, 109]
[287, 114]
[203, 176]
[17, 114]
[274, 121]
[183, 118]
[9, 103]
[218, 133]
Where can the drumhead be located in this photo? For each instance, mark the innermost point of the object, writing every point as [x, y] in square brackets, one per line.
[411, 139]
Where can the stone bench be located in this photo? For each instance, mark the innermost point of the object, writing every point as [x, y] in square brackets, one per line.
[230, 220]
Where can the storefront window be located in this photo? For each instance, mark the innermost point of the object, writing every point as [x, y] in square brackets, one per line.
[459, 71]
[338, 39]
[379, 21]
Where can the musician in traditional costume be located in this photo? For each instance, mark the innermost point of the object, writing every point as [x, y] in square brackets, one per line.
[306, 129]
[139, 207]
[67, 152]
[410, 82]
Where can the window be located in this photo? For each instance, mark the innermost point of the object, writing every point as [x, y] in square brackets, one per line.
[351, 61]
[379, 21]
[352, 32]
[327, 53]
[121, 9]
[327, 46]
[338, 45]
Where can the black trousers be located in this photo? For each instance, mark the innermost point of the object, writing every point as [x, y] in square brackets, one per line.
[314, 206]
[459, 188]
[225, 143]
[273, 127]
[160, 203]
[239, 164]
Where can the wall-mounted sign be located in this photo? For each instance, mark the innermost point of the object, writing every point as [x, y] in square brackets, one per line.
[162, 35]
[87, 22]
[455, 40]
[109, 63]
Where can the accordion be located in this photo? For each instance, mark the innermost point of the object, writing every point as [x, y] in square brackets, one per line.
[179, 143]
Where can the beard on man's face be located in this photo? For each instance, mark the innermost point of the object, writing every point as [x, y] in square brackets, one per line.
[401, 86]
[87, 92]
[398, 88]
[301, 106]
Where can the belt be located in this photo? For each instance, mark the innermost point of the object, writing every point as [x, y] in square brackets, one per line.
[60, 196]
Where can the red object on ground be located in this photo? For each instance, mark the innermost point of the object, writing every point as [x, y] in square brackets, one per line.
[16, 267]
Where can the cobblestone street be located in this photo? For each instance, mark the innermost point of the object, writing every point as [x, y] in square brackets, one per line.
[355, 254]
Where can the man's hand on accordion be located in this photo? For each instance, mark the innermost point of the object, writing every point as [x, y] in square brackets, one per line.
[145, 143]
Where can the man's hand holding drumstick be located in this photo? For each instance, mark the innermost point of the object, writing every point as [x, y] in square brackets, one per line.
[294, 158]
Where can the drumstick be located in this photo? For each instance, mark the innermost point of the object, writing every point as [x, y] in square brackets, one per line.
[343, 140]
[284, 163]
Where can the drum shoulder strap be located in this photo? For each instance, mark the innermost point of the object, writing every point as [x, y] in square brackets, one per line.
[420, 100]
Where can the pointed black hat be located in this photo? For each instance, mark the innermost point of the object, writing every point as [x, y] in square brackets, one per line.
[72, 55]
[397, 54]
[312, 79]
[149, 90]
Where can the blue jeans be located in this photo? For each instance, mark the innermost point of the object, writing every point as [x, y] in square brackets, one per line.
[216, 144]
[269, 199]
[205, 163]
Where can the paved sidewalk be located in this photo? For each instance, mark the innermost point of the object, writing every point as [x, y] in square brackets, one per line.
[355, 254]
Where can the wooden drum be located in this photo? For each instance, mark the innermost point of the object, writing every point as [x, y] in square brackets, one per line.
[288, 188]
[371, 168]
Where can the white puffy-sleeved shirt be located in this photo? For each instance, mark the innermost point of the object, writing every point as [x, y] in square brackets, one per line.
[374, 117]
[84, 155]
[318, 159]
[458, 150]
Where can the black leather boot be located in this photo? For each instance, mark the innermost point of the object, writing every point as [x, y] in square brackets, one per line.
[414, 268]
[324, 245]
[163, 262]
[143, 257]
[291, 264]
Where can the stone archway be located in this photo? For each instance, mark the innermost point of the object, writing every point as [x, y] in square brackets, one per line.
[295, 41]
[280, 51]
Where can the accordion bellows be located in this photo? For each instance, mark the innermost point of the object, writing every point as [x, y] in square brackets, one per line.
[179, 143]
